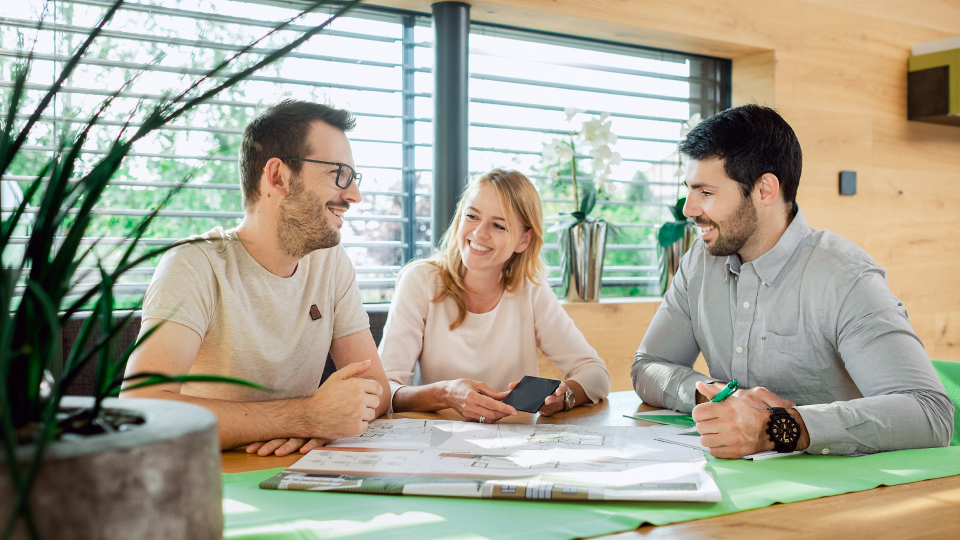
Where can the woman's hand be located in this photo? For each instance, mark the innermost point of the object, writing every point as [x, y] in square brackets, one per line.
[473, 399]
[554, 402]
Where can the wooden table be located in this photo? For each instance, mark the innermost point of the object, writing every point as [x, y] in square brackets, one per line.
[928, 509]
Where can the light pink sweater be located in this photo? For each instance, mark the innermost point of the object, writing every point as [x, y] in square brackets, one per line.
[497, 347]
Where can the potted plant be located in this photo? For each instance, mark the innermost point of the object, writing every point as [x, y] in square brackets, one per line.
[94, 467]
[582, 238]
[675, 237]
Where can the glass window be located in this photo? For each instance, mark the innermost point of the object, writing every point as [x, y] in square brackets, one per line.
[521, 84]
[364, 62]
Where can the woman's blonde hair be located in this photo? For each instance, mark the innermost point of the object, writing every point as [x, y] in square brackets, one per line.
[521, 206]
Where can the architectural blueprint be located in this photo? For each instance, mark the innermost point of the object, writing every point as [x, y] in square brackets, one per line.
[542, 474]
[586, 442]
[467, 459]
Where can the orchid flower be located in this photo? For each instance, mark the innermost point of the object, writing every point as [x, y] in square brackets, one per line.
[594, 138]
[570, 111]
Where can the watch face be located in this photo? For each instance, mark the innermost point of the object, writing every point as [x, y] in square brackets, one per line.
[784, 430]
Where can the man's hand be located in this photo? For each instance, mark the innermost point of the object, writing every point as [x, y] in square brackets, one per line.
[758, 397]
[282, 447]
[761, 398]
[731, 429]
[342, 407]
[473, 399]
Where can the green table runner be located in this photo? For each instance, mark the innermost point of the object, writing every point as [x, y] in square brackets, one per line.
[254, 513]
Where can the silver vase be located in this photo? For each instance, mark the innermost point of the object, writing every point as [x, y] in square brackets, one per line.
[581, 258]
[670, 257]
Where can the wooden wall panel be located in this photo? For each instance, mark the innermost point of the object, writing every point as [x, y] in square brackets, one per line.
[836, 70]
[754, 79]
[940, 14]
[614, 329]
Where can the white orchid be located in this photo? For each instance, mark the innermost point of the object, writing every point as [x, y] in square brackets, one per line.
[550, 152]
[600, 178]
[556, 152]
[570, 111]
[687, 125]
[593, 138]
[596, 132]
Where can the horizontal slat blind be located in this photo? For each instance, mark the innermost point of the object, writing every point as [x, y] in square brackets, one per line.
[358, 64]
[521, 83]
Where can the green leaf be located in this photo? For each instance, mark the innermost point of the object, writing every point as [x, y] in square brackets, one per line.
[160, 378]
[677, 209]
[588, 202]
[671, 232]
[563, 225]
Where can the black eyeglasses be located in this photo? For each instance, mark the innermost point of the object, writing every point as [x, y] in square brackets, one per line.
[345, 173]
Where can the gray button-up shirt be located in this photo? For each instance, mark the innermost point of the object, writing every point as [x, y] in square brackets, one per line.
[813, 321]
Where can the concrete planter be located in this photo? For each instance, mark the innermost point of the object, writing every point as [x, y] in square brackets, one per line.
[160, 480]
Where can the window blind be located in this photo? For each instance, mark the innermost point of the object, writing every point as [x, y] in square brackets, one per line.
[521, 84]
[365, 62]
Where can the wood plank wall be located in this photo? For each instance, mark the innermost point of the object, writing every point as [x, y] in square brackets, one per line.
[836, 70]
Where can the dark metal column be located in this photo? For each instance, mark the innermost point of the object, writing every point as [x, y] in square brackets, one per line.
[409, 141]
[451, 73]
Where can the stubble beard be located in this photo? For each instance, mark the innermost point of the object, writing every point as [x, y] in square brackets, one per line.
[303, 226]
[736, 230]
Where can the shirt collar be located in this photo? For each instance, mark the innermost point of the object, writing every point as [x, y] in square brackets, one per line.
[769, 265]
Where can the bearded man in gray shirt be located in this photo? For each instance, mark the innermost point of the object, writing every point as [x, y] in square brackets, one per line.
[825, 356]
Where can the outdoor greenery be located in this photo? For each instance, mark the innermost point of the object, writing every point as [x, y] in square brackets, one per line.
[55, 215]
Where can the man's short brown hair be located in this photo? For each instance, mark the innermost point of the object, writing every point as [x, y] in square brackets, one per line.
[281, 131]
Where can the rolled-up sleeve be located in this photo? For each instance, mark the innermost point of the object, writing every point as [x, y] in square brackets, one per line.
[904, 404]
[662, 371]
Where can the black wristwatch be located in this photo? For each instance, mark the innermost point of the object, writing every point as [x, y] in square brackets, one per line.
[783, 429]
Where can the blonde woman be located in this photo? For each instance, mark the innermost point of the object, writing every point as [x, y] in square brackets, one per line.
[466, 324]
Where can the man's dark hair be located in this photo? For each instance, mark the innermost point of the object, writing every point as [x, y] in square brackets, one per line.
[281, 131]
[751, 140]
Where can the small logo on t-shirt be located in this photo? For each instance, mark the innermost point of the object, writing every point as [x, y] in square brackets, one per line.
[315, 312]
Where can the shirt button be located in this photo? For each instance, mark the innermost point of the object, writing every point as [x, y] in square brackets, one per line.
[746, 304]
[739, 349]
[736, 278]
[825, 451]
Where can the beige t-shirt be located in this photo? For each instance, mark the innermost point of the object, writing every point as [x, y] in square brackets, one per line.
[254, 324]
[497, 347]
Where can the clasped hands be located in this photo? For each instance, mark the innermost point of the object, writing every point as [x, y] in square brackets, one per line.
[737, 426]
[473, 399]
[354, 399]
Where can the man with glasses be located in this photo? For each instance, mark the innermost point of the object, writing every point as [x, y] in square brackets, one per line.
[265, 301]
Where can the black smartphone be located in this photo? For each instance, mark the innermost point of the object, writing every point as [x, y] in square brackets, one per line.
[530, 393]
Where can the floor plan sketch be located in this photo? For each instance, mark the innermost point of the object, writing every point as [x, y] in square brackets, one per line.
[493, 475]
[584, 443]
[551, 435]
[395, 431]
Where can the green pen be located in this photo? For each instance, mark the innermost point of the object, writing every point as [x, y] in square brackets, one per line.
[726, 392]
